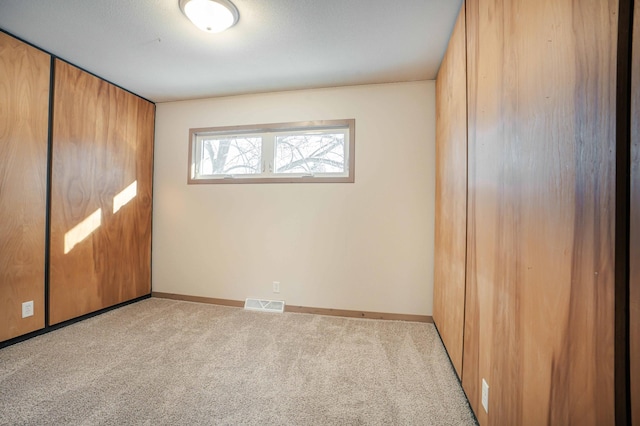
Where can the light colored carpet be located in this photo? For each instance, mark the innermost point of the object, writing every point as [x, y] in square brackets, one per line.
[165, 362]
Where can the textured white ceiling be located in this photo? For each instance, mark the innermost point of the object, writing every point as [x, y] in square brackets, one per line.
[150, 48]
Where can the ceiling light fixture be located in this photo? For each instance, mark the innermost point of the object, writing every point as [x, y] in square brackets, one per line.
[212, 16]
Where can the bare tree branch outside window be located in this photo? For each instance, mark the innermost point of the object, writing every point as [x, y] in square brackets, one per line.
[310, 154]
[231, 156]
[312, 151]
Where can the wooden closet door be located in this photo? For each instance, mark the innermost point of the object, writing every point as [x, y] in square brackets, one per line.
[101, 195]
[451, 194]
[24, 112]
[634, 254]
[539, 322]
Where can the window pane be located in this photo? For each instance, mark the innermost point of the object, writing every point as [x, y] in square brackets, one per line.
[230, 156]
[311, 153]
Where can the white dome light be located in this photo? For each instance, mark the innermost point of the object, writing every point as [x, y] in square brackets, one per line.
[212, 16]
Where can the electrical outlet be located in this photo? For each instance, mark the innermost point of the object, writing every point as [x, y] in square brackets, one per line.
[27, 309]
[276, 286]
[485, 396]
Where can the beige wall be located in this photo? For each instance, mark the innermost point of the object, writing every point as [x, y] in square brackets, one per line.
[362, 246]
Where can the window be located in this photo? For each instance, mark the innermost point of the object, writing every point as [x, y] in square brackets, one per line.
[318, 151]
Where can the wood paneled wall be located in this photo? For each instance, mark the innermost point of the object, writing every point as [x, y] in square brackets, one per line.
[541, 181]
[451, 194]
[634, 253]
[24, 115]
[102, 145]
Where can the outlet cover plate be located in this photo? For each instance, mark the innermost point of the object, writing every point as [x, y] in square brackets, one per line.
[276, 286]
[27, 309]
[485, 396]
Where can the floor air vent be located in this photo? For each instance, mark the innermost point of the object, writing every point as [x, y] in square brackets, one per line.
[264, 305]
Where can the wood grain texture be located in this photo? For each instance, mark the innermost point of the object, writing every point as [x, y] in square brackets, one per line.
[102, 144]
[24, 118]
[451, 195]
[541, 180]
[634, 252]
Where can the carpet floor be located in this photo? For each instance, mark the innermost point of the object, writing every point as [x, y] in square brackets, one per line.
[165, 362]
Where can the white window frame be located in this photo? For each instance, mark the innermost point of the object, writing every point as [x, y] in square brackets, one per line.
[268, 132]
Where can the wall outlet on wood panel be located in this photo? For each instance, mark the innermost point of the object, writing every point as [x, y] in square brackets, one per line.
[276, 286]
[485, 396]
[27, 309]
